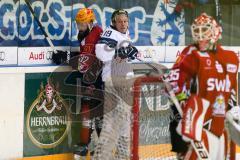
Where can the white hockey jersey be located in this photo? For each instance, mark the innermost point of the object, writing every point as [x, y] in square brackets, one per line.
[111, 40]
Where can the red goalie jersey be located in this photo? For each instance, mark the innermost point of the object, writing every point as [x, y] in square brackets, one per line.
[214, 76]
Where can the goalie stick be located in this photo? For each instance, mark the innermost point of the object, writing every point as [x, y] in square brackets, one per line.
[218, 12]
[219, 20]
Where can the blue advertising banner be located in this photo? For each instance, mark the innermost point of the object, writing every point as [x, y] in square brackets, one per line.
[151, 23]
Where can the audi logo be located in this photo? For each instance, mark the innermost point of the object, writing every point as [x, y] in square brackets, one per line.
[49, 55]
[2, 55]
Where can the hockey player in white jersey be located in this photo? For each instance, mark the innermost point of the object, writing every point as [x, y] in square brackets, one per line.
[114, 50]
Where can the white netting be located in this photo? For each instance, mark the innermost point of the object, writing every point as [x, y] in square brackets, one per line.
[116, 139]
[154, 118]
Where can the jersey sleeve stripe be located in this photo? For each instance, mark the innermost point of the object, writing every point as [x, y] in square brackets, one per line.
[108, 41]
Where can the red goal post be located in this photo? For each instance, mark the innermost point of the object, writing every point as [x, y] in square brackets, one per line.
[136, 147]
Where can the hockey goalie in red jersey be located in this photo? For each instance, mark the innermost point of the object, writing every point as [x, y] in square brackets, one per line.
[204, 79]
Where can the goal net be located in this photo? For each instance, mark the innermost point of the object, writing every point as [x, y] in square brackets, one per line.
[151, 118]
[149, 133]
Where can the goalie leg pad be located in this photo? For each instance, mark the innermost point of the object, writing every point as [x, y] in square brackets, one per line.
[216, 147]
[194, 111]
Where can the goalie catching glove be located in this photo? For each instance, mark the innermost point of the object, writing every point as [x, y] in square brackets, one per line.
[233, 124]
[129, 52]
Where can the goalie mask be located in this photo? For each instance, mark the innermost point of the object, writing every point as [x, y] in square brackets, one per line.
[206, 29]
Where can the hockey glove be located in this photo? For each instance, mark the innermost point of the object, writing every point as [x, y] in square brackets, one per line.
[60, 57]
[129, 52]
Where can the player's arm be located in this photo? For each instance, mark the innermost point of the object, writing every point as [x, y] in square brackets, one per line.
[72, 57]
[179, 78]
[182, 72]
[105, 48]
[108, 49]
[233, 97]
[233, 114]
[233, 117]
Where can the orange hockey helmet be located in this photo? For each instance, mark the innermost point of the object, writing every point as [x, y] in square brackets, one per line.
[85, 15]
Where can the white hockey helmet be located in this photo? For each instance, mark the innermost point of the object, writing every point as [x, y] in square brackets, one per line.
[205, 27]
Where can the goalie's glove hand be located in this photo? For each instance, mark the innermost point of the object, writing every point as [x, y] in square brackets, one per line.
[129, 52]
[232, 124]
[233, 114]
[60, 57]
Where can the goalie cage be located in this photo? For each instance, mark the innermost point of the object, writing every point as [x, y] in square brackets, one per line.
[151, 103]
[151, 115]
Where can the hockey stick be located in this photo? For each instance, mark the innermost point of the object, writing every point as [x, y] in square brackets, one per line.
[218, 12]
[39, 24]
[148, 64]
[168, 87]
[198, 147]
[44, 32]
[54, 51]
[219, 20]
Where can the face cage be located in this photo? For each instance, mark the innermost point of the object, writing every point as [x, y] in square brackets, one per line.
[203, 32]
